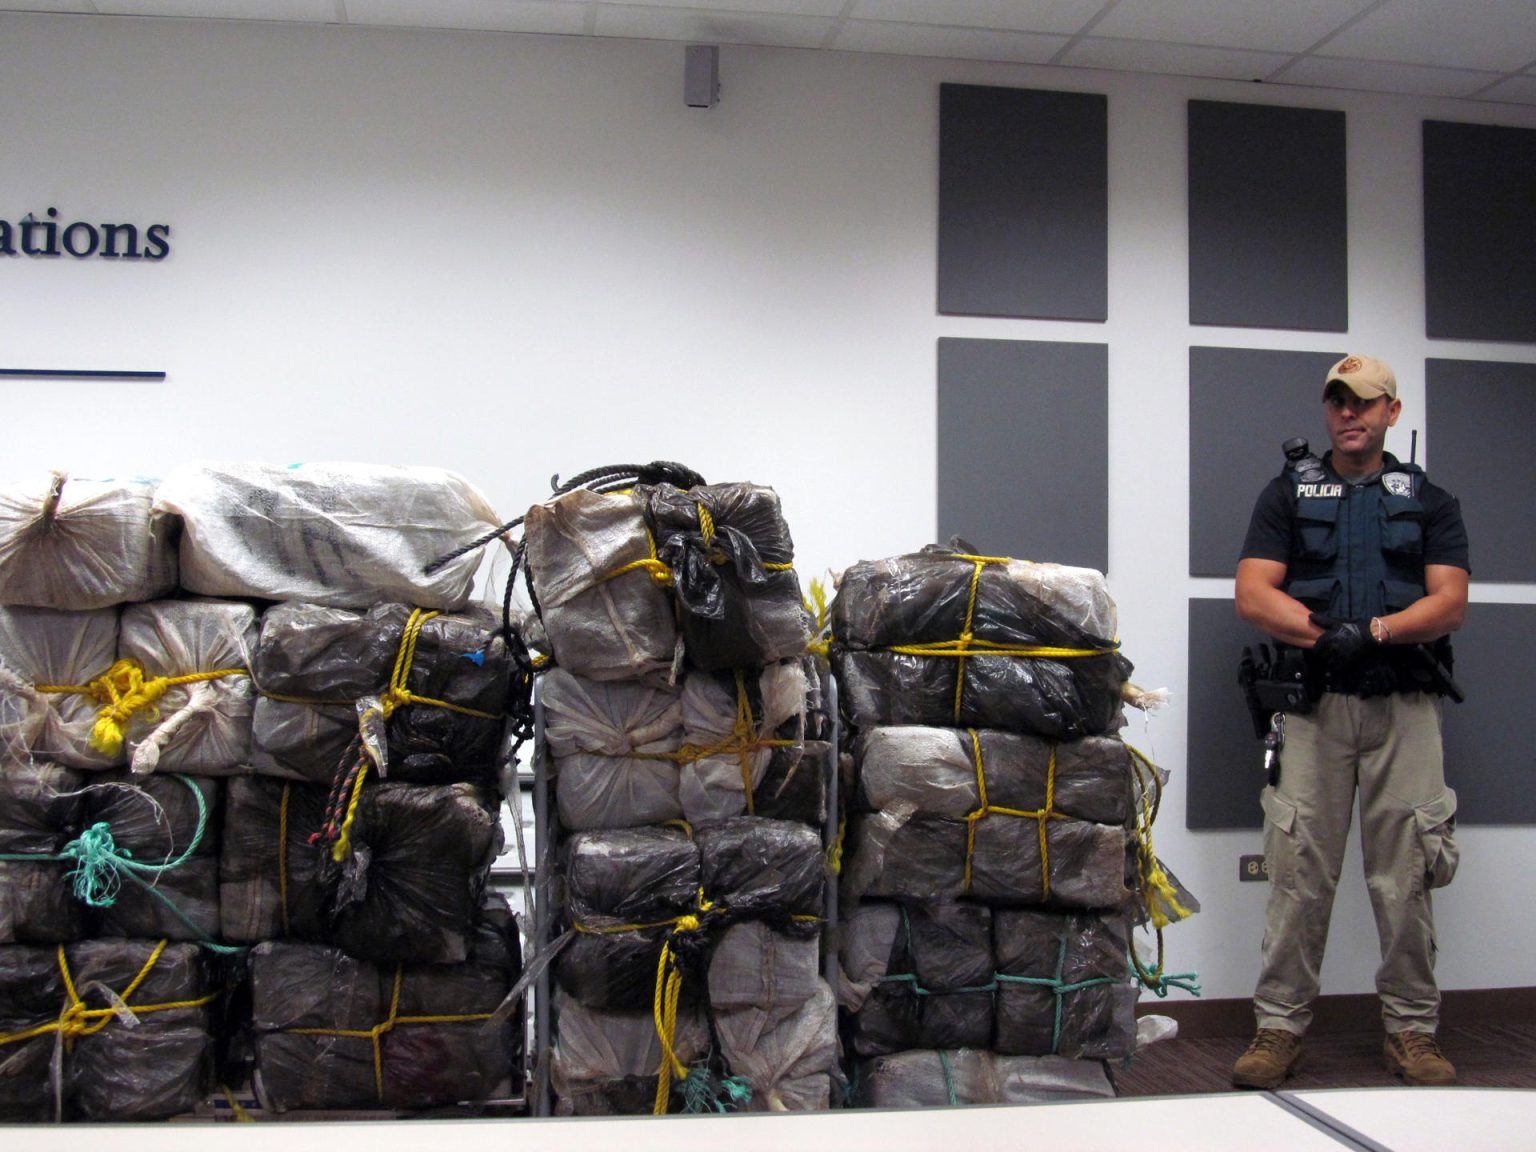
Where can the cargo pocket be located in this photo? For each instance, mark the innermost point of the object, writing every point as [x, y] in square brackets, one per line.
[1436, 823]
[1279, 843]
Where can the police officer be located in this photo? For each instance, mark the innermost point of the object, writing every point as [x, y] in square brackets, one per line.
[1361, 562]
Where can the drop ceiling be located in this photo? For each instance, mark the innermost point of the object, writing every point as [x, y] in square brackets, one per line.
[1473, 49]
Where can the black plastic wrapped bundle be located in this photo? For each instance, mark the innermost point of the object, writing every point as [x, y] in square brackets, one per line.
[167, 828]
[39, 815]
[1078, 959]
[314, 1009]
[593, 564]
[201, 726]
[80, 544]
[606, 1063]
[157, 1067]
[49, 704]
[919, 977]
[760, 869]
[626, 891]
[269, 872]
[893, 856]
[313, 664]
[413, 883]
[934, 1079]
[1088, 865]
[31, 996]
[941, 772]
[741, 725]
[731, 556]
[613, 744]
[941, 638]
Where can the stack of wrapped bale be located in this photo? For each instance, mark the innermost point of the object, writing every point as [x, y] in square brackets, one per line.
[159, 799]
[687, 744]
[991, 858]
[359, 840]
[119, 710]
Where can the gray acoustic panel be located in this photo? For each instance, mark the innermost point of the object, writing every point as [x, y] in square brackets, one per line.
[1225, 760]
[1482, 418]
[1023, 203]
[1023, 448]
[1479, 232]
[1243, 404]
[1489, 758]
[1267, 217]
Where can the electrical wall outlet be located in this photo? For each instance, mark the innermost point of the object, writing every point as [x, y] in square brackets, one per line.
[1252, 868]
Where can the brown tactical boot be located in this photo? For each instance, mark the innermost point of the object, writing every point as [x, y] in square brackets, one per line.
[1416, 1057]
[1269, 1059]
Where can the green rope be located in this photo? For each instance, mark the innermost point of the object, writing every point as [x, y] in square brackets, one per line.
[949, 1077]
[703, 1091]
[101, 866]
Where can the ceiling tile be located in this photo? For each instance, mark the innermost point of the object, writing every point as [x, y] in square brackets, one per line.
[1376, 76]
[1173, 59]
[1515, 90]
[557, 16]
[1291, 26]
[1064, 17]
[960, 43]
[1499, 35]
[42, 6]
[295, 11]
[711, 26]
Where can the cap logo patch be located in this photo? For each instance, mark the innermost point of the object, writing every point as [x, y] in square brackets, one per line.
[1352, 364]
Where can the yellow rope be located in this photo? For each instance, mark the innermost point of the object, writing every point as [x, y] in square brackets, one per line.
[76, 1020]
[122, 691]
[1040, 815]
[378, 1031]
[236, 1110]
[393, 697]
[1158, 892]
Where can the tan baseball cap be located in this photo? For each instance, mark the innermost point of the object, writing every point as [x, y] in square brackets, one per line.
[1365, 376]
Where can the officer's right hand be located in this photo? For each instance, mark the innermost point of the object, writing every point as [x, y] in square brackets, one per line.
[1342, 640]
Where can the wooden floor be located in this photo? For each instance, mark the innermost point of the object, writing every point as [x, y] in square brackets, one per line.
[1485, 1055]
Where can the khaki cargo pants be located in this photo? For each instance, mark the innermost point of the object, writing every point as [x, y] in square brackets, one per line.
[1388, 749]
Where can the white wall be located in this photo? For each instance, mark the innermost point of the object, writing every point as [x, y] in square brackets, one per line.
[515, 256]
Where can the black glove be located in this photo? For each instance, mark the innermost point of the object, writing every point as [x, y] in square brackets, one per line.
[1342, 641]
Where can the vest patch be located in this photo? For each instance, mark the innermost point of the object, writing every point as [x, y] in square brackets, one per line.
[1398, 483]
[1323, 491]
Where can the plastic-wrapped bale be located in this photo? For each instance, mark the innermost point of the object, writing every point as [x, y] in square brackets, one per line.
[1002, 817]
[269, 872]
[413, 883]
[774, 1017]
[135, 1017]
[753, 868]
[607, 1063]
[54, 683]
[918, 977]
[39, 815]
[593, 563]
[164, 836]
[80, 544]
[201, 725]
[347, 535]
[1064, 985]
[315, 1010]
[929, 1078]
[731, 558]
[613, 746]
[748, 730]
[926, 859]
[314, 665]
[941, 638]
[625, 892]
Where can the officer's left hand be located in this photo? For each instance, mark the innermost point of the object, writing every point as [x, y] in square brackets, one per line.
[1342, 640]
